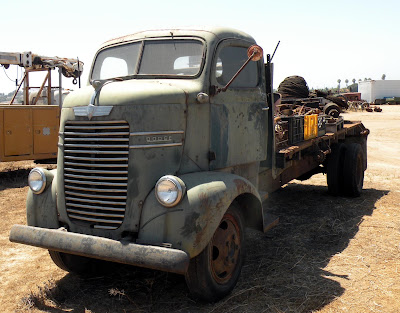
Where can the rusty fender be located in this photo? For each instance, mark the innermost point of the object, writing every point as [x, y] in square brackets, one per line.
[41, 209]
[165, 259]
[190, 225]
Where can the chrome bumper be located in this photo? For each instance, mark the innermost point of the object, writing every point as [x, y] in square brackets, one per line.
[164, 259]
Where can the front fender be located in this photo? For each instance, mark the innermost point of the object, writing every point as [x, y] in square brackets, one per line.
[41, 210]
[190, 225]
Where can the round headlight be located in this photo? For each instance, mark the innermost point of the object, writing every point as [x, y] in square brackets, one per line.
[37, 180]
[170, 190]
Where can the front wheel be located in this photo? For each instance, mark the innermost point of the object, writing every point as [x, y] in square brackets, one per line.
[215, 271]
[74, 263]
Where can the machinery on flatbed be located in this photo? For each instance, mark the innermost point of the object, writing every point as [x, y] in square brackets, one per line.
[168, 154]
[29, 131]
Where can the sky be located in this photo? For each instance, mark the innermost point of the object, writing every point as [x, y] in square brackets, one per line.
[323, 41]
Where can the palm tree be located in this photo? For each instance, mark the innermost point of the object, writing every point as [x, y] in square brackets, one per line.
[346, 81]
[383, 76]
[339, 81]
[354, 80]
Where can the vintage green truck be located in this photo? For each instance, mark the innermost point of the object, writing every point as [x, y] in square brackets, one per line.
[166, 157]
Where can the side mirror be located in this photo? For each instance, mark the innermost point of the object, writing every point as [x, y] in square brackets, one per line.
[254, 53]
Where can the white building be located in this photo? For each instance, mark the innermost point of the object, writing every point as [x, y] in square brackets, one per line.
[378, 89]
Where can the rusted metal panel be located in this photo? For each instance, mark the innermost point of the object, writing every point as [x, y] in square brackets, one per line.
[190, 225]
[169, 260]
[238, 116]
[41, 210]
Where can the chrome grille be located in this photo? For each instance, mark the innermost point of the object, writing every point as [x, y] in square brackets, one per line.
[96, 172]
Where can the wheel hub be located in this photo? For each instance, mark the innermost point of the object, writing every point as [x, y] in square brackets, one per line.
[225, 249]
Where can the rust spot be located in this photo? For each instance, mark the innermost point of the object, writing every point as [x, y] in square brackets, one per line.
[241, 186]
[191, 224]
[205, 219]
[205, 203]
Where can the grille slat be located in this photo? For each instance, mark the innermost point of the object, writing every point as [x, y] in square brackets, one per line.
[91, 182]
[94, 190]
[90, 159]
[95, 152]
[96, 146]
[96, 220]
[92, 196]
[97, 139]
[96, 202]
[95, 127]
[96, 172]
[72, 164]
[76, 134]
[94, 214]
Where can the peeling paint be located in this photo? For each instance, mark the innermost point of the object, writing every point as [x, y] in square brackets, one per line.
[190, 225]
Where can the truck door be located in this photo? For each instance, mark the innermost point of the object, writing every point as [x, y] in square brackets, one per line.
[237, 120]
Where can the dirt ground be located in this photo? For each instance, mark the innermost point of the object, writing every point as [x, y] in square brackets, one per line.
[328, 254]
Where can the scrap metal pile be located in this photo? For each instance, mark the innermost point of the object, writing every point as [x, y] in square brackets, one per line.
[296, 96]
[302, 115]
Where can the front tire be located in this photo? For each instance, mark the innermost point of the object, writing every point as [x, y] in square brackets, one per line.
[74, 263]
[215, 271]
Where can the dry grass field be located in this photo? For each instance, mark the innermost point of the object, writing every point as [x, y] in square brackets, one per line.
[328, 254]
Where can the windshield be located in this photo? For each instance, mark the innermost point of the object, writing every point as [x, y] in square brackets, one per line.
[157, 57]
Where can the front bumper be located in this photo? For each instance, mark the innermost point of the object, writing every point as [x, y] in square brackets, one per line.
[159, 258]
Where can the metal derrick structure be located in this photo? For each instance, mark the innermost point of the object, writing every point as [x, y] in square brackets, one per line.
[36, 63]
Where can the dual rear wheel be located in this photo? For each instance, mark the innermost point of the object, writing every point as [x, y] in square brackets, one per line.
[345, 170]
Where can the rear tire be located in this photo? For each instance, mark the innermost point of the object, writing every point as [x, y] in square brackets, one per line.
[215, 271]
[334, 173]
[353, 170]
[332, 109]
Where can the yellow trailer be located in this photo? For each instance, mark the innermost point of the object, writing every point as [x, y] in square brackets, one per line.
[28, 132]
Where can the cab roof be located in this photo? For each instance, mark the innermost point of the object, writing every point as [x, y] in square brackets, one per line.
[207, 33]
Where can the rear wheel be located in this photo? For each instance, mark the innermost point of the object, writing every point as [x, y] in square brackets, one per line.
[353, 170]
[215, 271]
[334, 173]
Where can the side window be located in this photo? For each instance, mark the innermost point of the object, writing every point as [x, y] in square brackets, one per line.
[229, 61]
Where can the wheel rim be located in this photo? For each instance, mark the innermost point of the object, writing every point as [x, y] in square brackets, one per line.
[225, 249]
